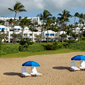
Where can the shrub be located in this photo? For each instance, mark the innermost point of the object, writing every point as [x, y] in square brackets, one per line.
[83, 38]
[9, 49]
[77, 46]
[65, 44]
[70, 41]
[24, 45]
[0, 47]
[20, 48]
[48, 47]
[55, 45]
[22, 42]
[35, 48]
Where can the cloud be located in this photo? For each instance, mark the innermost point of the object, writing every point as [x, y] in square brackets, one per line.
[51, 5]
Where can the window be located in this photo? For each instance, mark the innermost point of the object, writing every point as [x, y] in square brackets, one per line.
[52, 34]
[30, 34]
[25, 34]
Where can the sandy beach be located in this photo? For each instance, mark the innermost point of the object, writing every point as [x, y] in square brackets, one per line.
[54, 67]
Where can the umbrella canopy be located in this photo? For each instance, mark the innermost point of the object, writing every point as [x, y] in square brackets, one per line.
[78, 57]
[31, 63]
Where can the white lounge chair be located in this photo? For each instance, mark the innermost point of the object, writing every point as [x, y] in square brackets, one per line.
[34, 71]
[24, 72]
[82, 63]
[73, 66]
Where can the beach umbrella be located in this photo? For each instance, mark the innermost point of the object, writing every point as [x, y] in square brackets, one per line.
[78, 57]
[31, 63]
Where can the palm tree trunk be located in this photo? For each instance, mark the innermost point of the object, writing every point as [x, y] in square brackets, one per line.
[41, 32]
[13, 28]
[47, 34]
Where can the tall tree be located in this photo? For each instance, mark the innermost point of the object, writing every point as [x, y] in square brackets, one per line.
[48, 24]
[24, 22]
[11, 21]
[75, 15]
[53, 22]
[43, 16]
[65, 14]
[18, 7]
[81, 27]
[64, 17]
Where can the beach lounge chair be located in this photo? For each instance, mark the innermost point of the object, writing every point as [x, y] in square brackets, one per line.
[34, 71]
[82, 63]
[73, 66]
[24, 72]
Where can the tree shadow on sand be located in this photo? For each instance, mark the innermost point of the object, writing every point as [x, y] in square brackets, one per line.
[13, 74]
[62, 68]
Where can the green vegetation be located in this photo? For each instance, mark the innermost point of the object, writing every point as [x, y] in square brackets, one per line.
[53, 46]
[0, 47]
[12, 51]
[26, 54]
[35, 48]
[9, 49]
[77, 45]
[24, 45]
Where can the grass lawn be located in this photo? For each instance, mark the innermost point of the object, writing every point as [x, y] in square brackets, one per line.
[26, 54]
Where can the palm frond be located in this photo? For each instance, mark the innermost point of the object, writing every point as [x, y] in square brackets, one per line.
[21, 10]
[21, 6]
[10, 9]
[16, 6]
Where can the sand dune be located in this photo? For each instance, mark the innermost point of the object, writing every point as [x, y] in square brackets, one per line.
[54, 67]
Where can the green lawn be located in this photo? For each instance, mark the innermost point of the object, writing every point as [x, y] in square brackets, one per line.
[26, 54]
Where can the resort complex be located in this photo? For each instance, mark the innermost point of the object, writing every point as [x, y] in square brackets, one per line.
[33, 32]
[42, 50]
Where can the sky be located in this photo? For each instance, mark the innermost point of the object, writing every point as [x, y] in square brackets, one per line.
[35, 7]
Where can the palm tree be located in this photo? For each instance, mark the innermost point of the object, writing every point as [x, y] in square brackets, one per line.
[84, 18]
[64, 17]
[65, 14]
[18, 7]
[17, 36]
[44, 17]
[20, 18]
[53, 21]
[59, 22]
[80, 21]
[11, 21]
[48, 24]
[76, 15]
[24, 22]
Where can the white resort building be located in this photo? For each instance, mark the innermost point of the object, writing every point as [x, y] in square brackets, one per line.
[30, 35]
